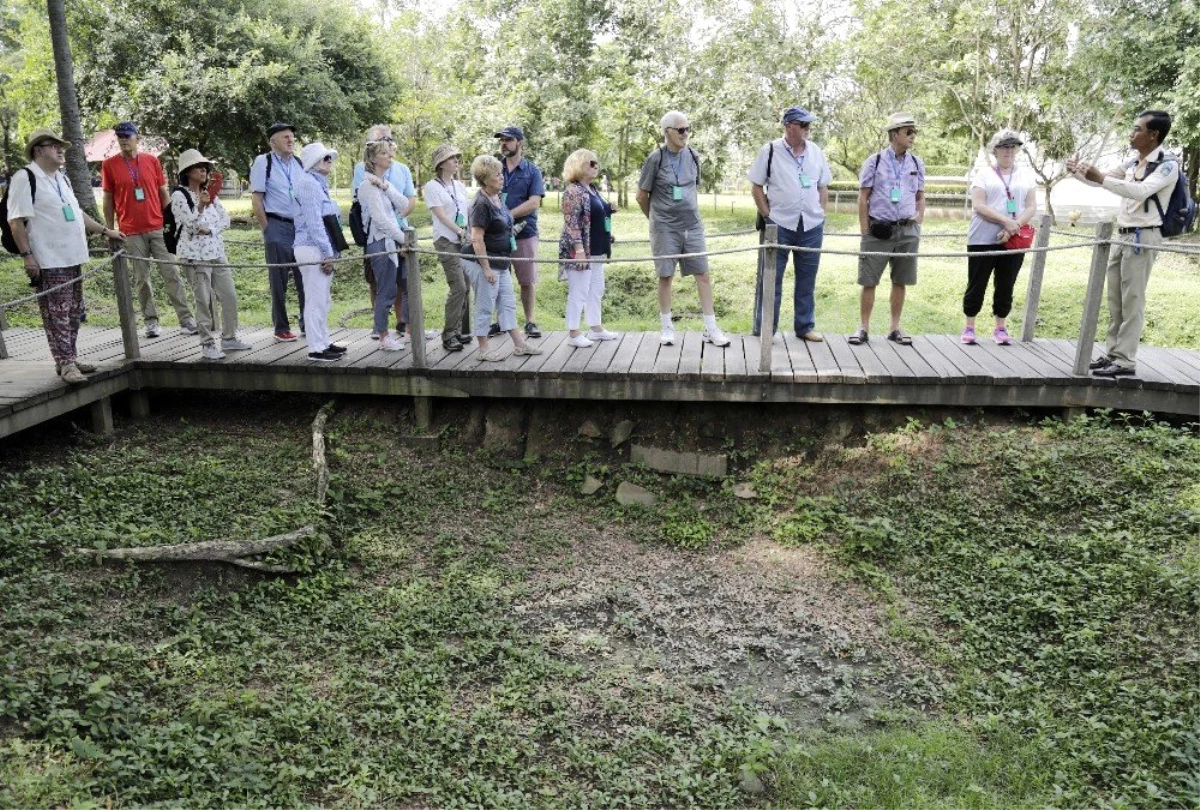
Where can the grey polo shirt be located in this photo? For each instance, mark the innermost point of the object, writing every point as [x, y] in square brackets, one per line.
[661, 173]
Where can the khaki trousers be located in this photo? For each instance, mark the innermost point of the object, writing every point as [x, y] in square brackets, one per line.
[1128, 274]
[143, 246]
[212, 280]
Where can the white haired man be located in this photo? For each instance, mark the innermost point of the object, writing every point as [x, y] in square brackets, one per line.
[668, 194]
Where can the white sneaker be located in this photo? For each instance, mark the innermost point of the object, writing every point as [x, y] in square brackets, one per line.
[603, 334]
[716, 337]
[667, 338]
[189, 328]
[580, 342]
[777, 339]
[152, 330]
[391, 344]
[209, 351]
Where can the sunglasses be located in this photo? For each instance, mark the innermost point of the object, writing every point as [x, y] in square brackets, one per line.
[801, 124]
[327, 159]
[593, 164]
[681, 130]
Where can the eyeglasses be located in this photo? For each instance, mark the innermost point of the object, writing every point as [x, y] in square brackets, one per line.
[681, 130]
[910, 132]
[593, 164]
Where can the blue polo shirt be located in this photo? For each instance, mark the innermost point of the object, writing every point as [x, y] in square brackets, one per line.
[278, 190]
[520, 184]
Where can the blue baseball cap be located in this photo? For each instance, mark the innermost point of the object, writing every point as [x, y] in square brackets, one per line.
[511, 132]
[798, 115]
[125, 129]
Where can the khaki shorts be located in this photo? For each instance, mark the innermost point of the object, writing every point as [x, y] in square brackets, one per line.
[668, 243]
[905, 239]
[522, 261]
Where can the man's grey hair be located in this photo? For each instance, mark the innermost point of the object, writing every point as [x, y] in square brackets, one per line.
[673, 119]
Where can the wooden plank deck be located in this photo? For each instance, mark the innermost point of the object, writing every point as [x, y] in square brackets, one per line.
[935, 370]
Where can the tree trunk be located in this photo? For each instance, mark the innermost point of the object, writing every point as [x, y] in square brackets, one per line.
[68, 106]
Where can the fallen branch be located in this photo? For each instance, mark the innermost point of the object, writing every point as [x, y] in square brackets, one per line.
[319, 465]
[230, 551]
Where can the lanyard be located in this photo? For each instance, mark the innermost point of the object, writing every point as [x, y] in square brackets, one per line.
[453, 192]
[134, 169]
[676, 162]
[799, 161]
[1007, 183]
[58, 188]
[897, 168]
[286, 168]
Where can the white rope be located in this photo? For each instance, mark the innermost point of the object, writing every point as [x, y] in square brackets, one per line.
[16, 302]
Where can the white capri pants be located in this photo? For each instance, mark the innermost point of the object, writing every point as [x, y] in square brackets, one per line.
[318, 295]
[585, 288]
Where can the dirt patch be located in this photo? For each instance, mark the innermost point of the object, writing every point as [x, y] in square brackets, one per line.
[775, 625]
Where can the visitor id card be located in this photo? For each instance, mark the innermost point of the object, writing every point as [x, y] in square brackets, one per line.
[676, 192]
[459, 219]
[139, 194]
[1011, 206]
[68, 213]
[504, 197]
[805, 181]
[896, 195]
[512, 243]
[608, 224]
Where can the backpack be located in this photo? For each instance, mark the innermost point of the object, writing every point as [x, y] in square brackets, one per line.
[1180, 215]
[661, 152]
[760, 222]
[358, 229]
[171, 230]
[6, 234]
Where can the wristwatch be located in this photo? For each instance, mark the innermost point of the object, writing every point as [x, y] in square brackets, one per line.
[26, 253]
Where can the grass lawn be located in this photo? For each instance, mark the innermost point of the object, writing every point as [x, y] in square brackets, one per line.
[945, 615]
[933, 305]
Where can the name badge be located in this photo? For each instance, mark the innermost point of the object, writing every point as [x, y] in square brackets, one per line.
[68, 213]
[512, 243]
[139, 194]
[677, 192]
[805, 181]
[608, 224]
[1011, 206]
[896, 195]
[504, 197]
[459, 219]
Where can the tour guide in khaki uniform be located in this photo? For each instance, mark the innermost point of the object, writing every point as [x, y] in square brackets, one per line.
[135, 195]
[891, 206]
[667, 194]
[1138, 223]
[48, 227]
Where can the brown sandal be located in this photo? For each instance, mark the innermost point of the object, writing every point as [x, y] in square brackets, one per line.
[858, 338]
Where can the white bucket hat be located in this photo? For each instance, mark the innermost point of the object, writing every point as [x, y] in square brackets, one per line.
[314, 153]
[192, 157]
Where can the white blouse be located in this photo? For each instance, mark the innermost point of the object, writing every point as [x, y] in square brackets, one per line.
[193, 245]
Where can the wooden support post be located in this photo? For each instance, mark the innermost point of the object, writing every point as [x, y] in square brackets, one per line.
[128, 316]
[139, 404]
[1091, 303]
[1033, 293]
[102, 416]
[423, 413]
[416, 306]
[767, 312]
[3, 326]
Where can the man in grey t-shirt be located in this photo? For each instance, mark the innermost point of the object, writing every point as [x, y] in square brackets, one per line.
[668, 190]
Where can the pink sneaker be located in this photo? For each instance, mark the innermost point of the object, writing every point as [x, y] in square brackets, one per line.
[968, 336]
[1001, 336]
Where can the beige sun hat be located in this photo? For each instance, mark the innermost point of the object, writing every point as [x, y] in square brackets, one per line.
[900, 119]
[192, 157]
[41, 136]
[444, 153]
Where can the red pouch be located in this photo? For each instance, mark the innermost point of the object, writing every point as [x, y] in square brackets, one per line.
[1021, 239]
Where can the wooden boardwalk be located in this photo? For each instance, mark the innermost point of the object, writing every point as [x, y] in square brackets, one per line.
[935, 370]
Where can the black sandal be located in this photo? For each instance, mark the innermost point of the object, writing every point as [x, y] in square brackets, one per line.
[858, 338]
[896, 336]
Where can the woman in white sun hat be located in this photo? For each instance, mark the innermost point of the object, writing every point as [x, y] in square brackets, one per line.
[319, 241]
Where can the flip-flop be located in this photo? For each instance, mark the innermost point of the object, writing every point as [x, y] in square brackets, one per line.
[858, 338]
[896, 336]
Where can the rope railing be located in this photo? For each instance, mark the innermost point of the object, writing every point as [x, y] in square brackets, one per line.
[25, 299]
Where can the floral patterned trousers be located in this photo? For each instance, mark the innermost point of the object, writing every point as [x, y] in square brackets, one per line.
[60, 311]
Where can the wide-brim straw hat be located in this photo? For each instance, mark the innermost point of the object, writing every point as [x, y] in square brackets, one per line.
[444, 153]
[898, 120]
[41, 136]
[192, 157]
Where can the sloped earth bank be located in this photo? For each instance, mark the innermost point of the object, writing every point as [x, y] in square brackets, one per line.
[874, 607]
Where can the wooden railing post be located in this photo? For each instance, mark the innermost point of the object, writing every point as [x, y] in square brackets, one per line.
[3, 326]
[125, 310]
[416, 307]
[1033, 293]
[766, 334]
[1091, 303]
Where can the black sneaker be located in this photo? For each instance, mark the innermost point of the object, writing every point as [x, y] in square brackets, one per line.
[452, 345]
[532, 331]
[465, 339]
[324, 357]
[1113, 370]
[494, 330]
[335, 349]
[1101, 363]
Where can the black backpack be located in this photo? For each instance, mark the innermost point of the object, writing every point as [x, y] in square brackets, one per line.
[171, 230]
[357, 229]
[1180, 215]
[6, 234]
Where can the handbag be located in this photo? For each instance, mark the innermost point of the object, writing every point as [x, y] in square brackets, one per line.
[333, 227]
[1021, 239]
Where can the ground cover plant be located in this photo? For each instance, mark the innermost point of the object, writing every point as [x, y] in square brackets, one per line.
[934, 305]
[940, 614]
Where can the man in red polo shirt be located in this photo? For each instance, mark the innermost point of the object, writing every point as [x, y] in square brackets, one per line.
[135, 194]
